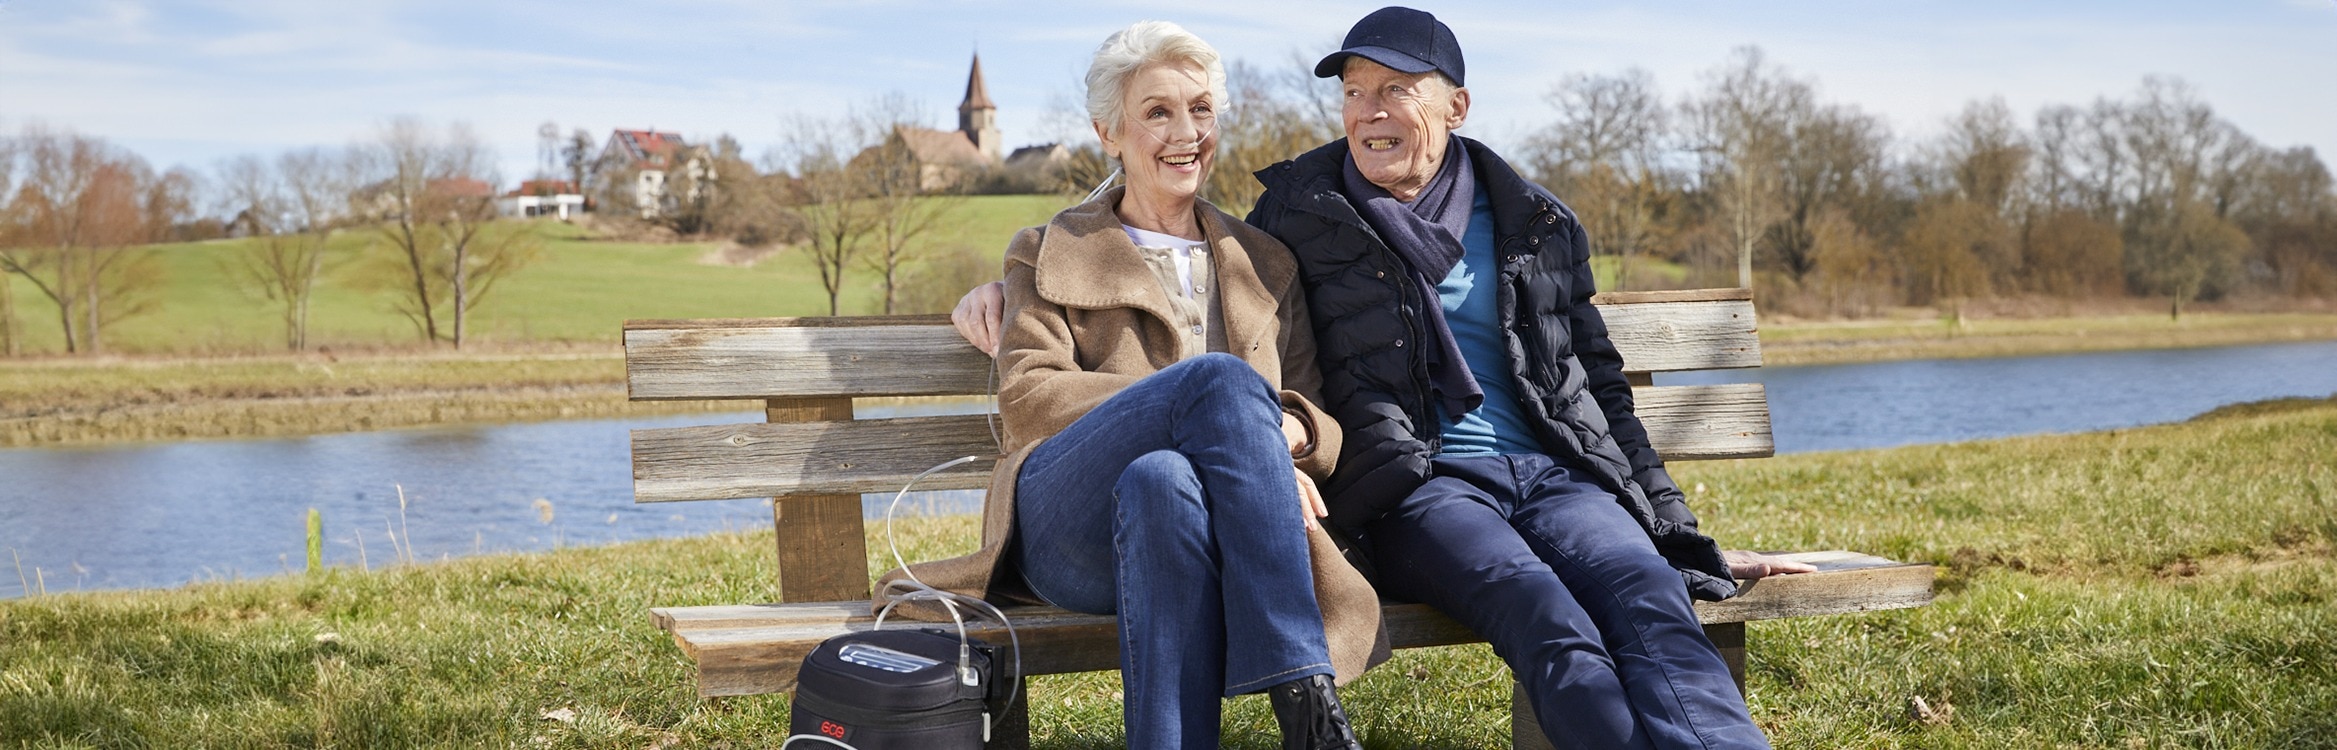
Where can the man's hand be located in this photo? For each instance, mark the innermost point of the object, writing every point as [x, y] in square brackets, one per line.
[1310, 500]
[1750, 565]
[977, 316]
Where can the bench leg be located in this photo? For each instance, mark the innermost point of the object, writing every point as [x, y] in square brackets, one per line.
[1730, 638]
[1525, 731]
[1013, 730]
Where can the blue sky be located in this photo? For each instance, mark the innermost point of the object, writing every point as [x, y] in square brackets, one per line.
[194, 81]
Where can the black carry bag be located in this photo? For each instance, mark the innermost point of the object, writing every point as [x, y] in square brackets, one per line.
[896, 690]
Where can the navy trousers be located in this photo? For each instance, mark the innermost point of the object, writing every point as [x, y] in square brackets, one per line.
[1541, 561]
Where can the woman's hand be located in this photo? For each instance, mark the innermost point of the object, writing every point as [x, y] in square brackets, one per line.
[1310, 500]
[1295, 434]
[1746, 565]
[977, 316]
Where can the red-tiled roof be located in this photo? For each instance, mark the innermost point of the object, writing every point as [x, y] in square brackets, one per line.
[649, 149]
[544, 187]
[462, 187]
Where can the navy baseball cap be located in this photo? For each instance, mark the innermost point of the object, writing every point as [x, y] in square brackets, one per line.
[1408, 40]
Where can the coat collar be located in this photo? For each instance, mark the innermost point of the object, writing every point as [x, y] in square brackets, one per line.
[1085, 261]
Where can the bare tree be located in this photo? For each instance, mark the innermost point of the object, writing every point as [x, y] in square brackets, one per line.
[409, 164]
[2199, 250]
[2289, 208]
[1940, 256]
[2178, 241]
[1985, 155]
[82, 211]
[434, 197]
[295, 203]
[828, 194]
[1983, 159]
[1604, 157]
[576, 155]
[2067, 253]
[1835, 164]
[1740, 128]
[900, 209]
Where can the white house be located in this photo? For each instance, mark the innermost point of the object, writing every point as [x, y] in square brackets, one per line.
[537, 198]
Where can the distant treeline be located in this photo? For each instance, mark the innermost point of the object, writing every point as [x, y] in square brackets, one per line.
[1751, 180]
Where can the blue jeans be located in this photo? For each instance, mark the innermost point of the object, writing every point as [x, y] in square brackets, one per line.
[1172, 504]
[1542, 562]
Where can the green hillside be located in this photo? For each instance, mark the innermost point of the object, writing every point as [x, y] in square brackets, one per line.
[580, 289]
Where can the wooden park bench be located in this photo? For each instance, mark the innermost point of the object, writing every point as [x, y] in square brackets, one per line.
[816, 459]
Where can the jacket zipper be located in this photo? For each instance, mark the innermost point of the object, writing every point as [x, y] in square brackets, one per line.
[1423, 419]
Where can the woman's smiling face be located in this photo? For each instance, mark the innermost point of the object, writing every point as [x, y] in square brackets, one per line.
[1167, 136]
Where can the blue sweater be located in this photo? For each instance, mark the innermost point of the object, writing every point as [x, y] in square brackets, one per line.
[1471, 309]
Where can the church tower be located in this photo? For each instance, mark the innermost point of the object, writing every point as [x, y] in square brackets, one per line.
[977, 117]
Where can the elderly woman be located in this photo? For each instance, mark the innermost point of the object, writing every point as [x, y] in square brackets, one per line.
[1158, 388]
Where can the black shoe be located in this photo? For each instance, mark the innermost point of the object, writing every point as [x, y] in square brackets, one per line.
[1308, 710]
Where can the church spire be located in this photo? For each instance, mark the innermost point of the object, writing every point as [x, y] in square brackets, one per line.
[977, 117]
[977, 95]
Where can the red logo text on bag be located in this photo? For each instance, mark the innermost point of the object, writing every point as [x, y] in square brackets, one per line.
[832, 729]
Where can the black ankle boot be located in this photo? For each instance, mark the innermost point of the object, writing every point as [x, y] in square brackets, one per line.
[1308, 710]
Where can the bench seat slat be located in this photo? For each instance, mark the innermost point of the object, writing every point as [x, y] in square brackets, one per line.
[761, 358]
[1686, 423]
[752, 649]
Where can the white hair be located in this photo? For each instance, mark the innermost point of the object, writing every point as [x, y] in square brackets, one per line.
[1131, 49]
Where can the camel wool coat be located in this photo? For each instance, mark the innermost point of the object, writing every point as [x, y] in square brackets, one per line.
[1085, 316]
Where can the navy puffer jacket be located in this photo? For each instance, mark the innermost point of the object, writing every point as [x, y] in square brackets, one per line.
[1368, 329]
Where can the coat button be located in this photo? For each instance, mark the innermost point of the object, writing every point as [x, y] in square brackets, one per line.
[1535, 240]
[1198, 289]
[1379, 274]
[1399, 343]
[1549, 218]
[1196, 330]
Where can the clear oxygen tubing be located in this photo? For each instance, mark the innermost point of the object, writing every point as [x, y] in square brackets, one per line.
[1203, 136]
[914, 589]
[911, 589]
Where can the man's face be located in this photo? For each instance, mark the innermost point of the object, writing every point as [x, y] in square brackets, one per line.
[1399, 124]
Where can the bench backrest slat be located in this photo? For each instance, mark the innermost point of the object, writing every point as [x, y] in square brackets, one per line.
[880, 455]
[761, 358]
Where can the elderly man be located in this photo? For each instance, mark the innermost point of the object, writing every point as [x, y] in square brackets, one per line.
[1493, 467]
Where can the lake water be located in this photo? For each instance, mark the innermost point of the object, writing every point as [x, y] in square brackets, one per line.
[162, 514]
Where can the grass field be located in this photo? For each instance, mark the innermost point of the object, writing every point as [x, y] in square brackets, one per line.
[2159, 587]
[580, 290]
